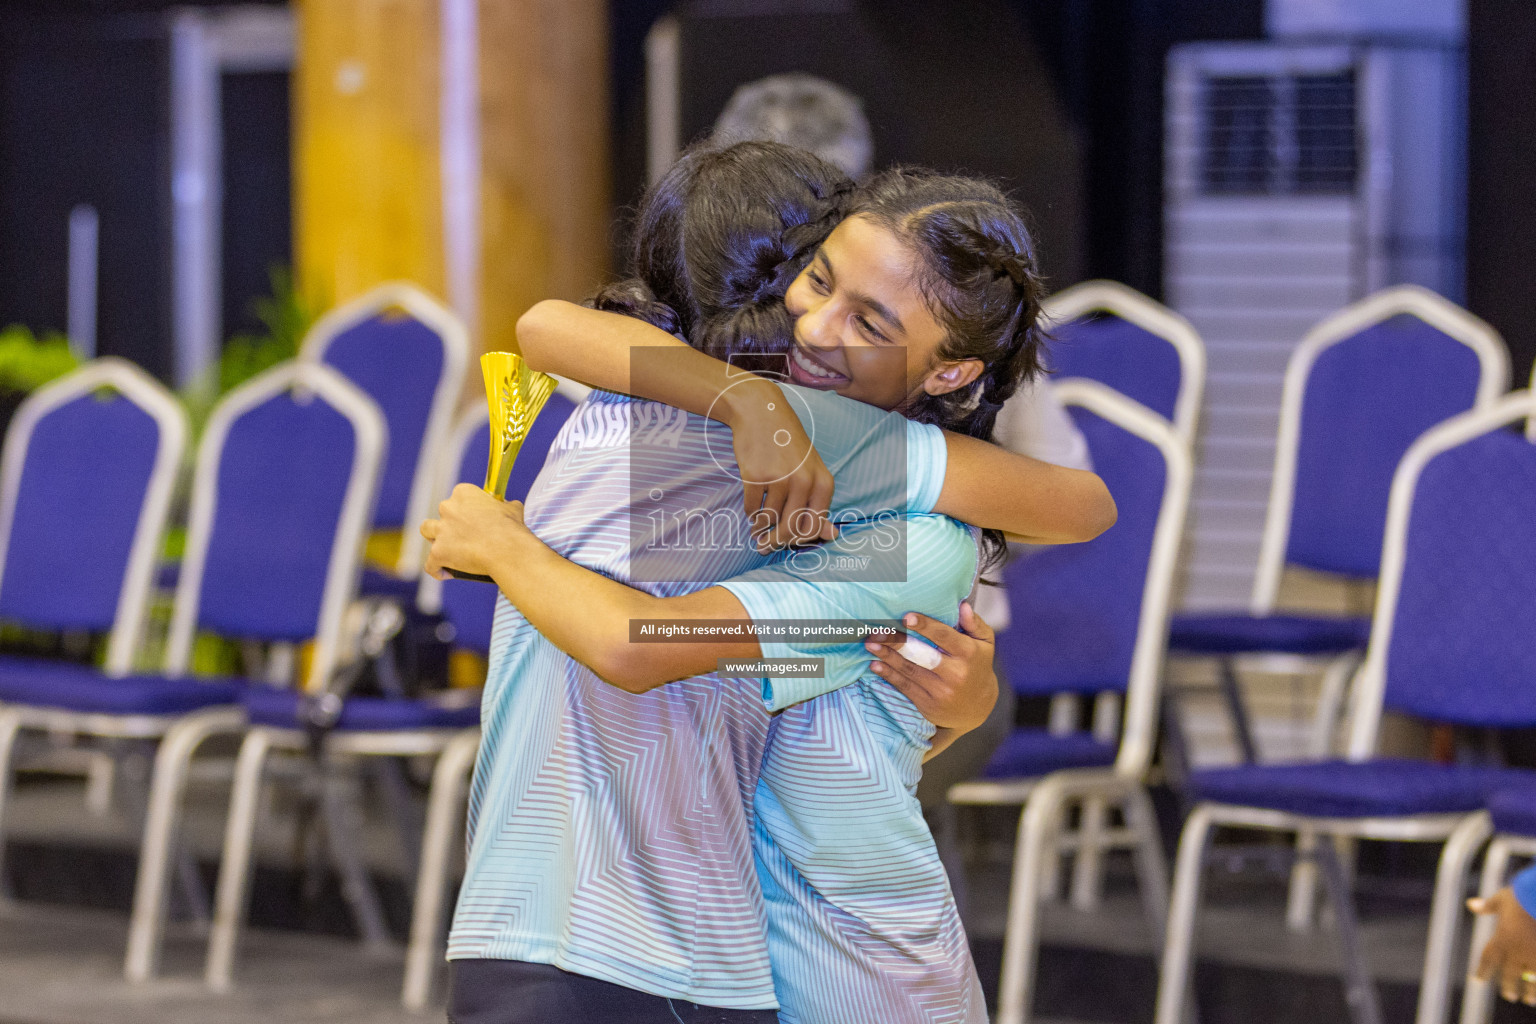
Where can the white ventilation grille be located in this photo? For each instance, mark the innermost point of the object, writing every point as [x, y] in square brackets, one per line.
[1299, 178]
[1289, 134]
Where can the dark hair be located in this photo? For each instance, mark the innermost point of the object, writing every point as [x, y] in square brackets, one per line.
[719, 239]
[977, 273]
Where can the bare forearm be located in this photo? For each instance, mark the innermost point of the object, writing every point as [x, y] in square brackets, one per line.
[623, 354]
[587, 615]
[991, 487]
[943, 739]
[546, 588]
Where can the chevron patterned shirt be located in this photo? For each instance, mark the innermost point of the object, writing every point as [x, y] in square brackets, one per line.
[609, 832]
[862, 925]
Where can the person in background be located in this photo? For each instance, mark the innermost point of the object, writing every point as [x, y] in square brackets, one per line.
[1511, 953]
[803, 111]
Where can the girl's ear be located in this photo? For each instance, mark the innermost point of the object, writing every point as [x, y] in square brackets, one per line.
[952, 376]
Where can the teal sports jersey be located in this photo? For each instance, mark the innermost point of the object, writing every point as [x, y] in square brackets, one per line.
[610, 832]
[862, 925]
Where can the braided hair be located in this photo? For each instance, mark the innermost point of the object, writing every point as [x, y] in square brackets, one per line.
[719, 239]
[976, 271]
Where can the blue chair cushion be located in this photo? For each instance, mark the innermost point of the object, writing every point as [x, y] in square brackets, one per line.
[1288, 634]
[266, 705]
[68, 687]
[1386, 787]
[378, 583]
[1030, 752]
[1514, 809]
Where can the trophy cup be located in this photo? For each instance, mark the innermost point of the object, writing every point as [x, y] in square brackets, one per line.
[515, 393]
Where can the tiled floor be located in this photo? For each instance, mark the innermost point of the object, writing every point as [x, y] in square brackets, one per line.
[62, 964]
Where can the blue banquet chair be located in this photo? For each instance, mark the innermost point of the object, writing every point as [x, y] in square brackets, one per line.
[1359, 388]
[445, 726]
[282, 495]
[409, 354]
[1513, 813]
[1105, 331]
[1117, 336]
[1089, 619]
[86, 479]
[1450, 642]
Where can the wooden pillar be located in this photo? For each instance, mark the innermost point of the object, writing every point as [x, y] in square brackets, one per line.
[374, 141]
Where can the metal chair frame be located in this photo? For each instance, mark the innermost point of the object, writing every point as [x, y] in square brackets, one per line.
[1086, 298]
[1477, 996]
[1338, 670]
[1151, 316]
[1044, 799]
[1463, 834]
[134, 593]
[455, 751]
[181, 736]
[455, 341]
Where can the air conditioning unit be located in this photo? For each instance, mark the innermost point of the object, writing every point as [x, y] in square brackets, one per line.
[1298, 178]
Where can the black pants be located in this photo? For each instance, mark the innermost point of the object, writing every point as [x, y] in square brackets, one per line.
[513, 992]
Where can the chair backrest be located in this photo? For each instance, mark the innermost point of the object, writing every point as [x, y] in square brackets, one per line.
[287, 473]
[1359, 389]
[86, 479]
[470, 606]
[408, 353]
[1093, 617]
[1115, 335]
[1451, 640]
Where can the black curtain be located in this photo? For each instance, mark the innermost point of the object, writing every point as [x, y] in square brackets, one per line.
[1501, 173]
[967, 85]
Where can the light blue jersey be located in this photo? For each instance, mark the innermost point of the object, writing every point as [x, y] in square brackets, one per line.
[862, 925]
[610, 832]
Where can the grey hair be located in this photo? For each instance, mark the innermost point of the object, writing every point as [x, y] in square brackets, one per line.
[803, 111]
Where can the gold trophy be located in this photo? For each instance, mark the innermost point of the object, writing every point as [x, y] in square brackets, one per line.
[515, 393]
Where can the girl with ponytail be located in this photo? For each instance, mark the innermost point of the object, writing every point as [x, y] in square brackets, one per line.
[625, 836]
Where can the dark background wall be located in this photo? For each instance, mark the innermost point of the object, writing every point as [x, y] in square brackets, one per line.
[85, 118]
[1501, 173]
[1061, 101]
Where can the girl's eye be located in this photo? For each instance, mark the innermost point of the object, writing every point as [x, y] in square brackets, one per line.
[816, 280]
[868, 328]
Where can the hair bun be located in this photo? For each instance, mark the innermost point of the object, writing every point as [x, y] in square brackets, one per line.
[632, 297]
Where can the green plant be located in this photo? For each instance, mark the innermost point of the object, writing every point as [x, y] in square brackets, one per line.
[27, 362]
[286, 317]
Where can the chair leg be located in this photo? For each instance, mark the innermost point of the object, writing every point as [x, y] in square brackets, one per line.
[1088, 865]
[1477, 999]
[388, 773]
[1359, 989]
[1175, 974]
[1445, 915]
[343, 830]
[1301, 901]
[1151, 867]
[235, 865]
[100, 780]
[146, 928]
[10, 726]
[1242, 728]
[445, 803]
[1331, 700]
[1035, 847]
[1052, 870]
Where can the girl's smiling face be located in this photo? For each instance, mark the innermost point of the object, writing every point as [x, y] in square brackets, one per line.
[862, 328]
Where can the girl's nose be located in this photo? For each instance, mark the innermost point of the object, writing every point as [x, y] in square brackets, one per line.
[813, 329]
